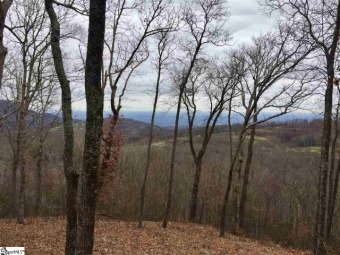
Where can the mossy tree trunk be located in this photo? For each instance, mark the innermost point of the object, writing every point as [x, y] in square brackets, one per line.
[93, 130]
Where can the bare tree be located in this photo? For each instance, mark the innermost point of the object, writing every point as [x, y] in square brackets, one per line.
[127, 52]
[44, 103]
[318, 21]
[38, 123]
[9, 126]
[268, 60]
[217, 87]
[204, 21]
[29, 34]
[165, 47]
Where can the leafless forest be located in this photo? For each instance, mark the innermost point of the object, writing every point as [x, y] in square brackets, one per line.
[243, 181]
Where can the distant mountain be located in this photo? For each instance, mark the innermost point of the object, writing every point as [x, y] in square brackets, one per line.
[10, 109]
[6, 107]
[134, 130]
[135, 126]
[167, 119]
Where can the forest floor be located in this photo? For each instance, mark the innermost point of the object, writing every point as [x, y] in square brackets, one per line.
[42, 236]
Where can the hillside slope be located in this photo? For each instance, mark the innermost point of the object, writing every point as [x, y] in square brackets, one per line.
[46, 236]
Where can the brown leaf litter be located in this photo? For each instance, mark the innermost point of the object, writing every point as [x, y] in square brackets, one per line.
[47, 236]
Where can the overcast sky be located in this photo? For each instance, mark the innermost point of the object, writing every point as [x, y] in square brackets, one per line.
[246, 20]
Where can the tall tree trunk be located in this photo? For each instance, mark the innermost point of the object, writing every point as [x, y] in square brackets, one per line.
[22, 164]
[93, 131]
[71, 213]
[319, 228]
[14, 182]
[331, 178]
[332, 202]
[174, 142]
[246, 174]
[322, 186]
[21, 197]
[148, 157]
[4, 6]
[238, 170]
[70, 173]
[194, 193]
[38, 177]
[230, 175]
[172, 162]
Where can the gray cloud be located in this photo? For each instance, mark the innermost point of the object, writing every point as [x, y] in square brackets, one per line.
[243, 7]
[247, 20]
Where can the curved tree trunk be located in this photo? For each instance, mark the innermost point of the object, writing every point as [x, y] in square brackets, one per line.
[70, 173]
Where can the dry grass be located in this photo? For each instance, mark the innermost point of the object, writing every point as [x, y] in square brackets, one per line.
[46, 236]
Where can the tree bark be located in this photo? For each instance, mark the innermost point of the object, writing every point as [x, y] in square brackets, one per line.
[4, 6]
[238, 170]
[246, 174]
[194, 193]
[319, 228]
[93, 131]
[209, 129]
[331, 179]
[172, 162]
[38, 177]
[323, 170]
[333, 202]
[14, 182]
[230, 174]
[22, 162]
[70, 173]
[23, 109]
[229, 182]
